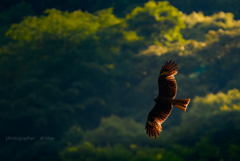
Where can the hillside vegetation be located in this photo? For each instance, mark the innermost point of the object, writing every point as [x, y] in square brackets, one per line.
[88, 80]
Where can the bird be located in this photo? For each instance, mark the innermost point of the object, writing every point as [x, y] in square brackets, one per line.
[165, 100]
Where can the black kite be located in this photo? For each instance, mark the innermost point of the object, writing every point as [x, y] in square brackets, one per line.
[165, 99]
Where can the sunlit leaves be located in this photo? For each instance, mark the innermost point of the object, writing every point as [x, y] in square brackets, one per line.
[113, 130]
[76, 25]
[213, 104]
[72, 69]
[159, 21]
[197, 25]
[131, 36]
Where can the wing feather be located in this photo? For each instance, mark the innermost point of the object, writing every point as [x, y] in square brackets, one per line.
[156, 117]
[166, 81]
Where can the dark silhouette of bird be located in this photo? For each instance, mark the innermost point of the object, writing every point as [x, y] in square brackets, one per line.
[165, 99]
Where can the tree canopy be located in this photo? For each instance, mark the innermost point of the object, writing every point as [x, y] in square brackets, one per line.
[87, 79]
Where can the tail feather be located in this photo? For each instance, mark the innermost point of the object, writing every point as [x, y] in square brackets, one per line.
[181, 103]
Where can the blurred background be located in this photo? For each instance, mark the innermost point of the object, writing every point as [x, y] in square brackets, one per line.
[78, 78]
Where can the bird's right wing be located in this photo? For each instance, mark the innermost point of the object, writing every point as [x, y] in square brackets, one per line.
[156, 117]
[166, 81]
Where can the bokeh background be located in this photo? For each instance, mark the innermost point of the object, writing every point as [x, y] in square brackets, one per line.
[78, 78]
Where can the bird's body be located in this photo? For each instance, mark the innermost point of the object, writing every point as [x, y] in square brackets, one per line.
[165, 99]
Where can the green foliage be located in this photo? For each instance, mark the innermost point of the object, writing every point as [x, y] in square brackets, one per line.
[220, 100]
[208, 120]
[208, 7]
[88, 80]
[75, 26]
[122, 7]
[125, 130]
[86, 151]
[210, 116]
[199, 25]
[159, 22]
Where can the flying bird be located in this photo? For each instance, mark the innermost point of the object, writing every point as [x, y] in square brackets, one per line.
[165, 100]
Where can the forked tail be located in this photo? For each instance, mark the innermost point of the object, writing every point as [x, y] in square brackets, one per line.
[181, 103]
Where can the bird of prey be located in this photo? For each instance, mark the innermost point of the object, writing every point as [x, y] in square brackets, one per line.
[165, 99]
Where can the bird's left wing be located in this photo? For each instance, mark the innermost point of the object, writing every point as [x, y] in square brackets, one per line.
[156, 117]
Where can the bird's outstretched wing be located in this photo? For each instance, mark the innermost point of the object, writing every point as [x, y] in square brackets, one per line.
[156, 117]
[166, 81]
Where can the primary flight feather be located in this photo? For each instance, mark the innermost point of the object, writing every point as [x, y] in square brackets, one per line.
[165, 99]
